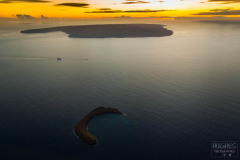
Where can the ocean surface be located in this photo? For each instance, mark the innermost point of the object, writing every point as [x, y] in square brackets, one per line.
[179, 93]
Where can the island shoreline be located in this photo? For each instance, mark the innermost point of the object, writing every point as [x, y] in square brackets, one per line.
[81, 129]
[108, 31]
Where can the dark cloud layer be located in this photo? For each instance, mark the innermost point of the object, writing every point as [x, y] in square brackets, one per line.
[13, 1]
[24, 16]
[147, 10]
[123, 17]
[104, 9]
[43, 17]
[161, 17]
[128, 11]
[220, 12]
[73, 4]
[134, 2]
[225, 1]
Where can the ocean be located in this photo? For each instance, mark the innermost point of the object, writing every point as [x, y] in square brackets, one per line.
[179, 93]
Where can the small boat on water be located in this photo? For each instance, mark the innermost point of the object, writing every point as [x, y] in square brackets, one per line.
[59, 59]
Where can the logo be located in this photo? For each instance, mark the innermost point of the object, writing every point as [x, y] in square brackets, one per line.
[224, 149]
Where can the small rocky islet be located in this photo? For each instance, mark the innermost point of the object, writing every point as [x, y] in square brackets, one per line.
[81, 128]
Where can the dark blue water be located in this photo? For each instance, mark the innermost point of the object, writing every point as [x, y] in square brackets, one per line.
[179, 93]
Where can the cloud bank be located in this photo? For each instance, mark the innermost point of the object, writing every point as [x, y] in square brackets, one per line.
[225, 1]
[128, 11]
[134, 2]
[220, 12]
[24, 16]
[31, 1]
[84, 5]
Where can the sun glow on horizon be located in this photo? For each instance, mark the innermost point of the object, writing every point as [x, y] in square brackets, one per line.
[27, 9]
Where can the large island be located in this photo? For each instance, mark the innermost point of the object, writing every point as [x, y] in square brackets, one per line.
[81, 128]
[108, 30]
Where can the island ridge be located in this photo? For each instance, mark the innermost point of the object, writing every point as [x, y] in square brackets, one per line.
[108, 30]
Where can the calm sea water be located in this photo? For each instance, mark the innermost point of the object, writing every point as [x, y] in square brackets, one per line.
[179, 92]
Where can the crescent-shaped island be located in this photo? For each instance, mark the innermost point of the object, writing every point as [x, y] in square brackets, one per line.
[108, 30]
[81, 128]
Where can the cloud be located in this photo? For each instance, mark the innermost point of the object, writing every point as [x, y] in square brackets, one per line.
[5, 1]
[83, 5]
[161, 17]
[220, 12]
[147, 10]
[24, 16]
[123, 16]
[104, 9]
[43, 17]
[134, 2]
[128, 11]
[31, 1]
[225, 1]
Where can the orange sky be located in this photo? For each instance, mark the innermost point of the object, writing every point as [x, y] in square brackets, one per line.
[117, 8]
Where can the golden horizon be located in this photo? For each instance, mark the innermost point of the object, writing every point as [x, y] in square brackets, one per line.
[126, 8]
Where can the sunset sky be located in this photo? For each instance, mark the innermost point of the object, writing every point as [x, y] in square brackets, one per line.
[26, 9]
